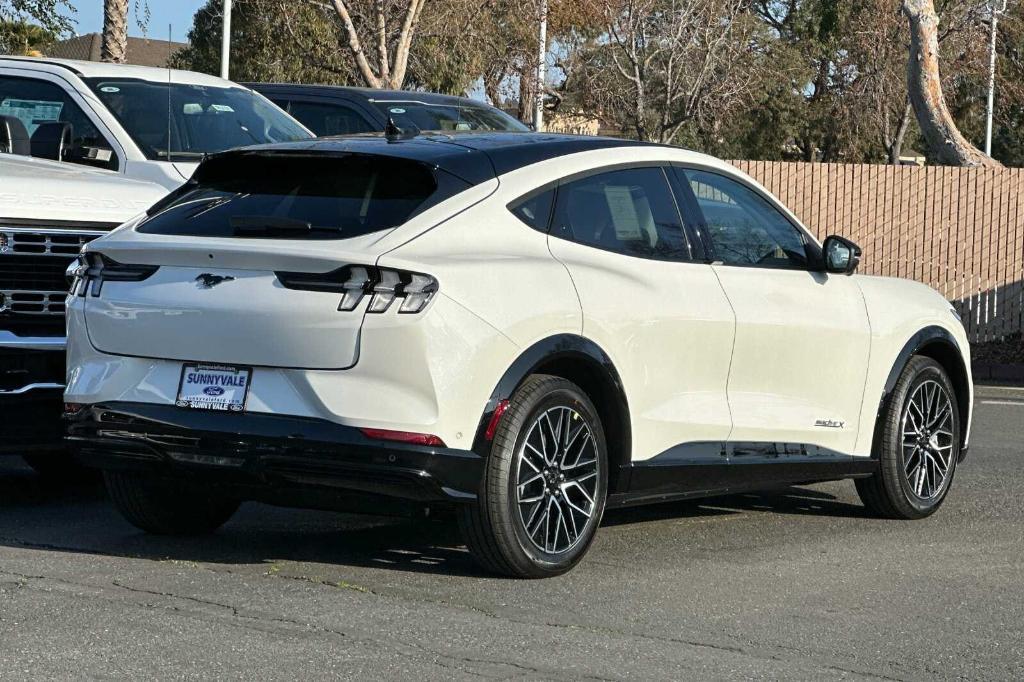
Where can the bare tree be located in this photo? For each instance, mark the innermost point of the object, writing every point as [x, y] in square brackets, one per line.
[664, 63]
[386, 66]
[114, 47]
[925, 88]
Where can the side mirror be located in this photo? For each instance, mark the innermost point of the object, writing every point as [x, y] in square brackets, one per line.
[841, 255]
[52, 140]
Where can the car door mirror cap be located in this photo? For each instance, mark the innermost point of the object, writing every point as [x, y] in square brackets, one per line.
[840, 255]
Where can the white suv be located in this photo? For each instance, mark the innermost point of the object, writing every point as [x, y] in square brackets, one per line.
[145, 123]
[526, 328]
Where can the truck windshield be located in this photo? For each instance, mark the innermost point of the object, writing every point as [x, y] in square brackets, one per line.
[182, 122]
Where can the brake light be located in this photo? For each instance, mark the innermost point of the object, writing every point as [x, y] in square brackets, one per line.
[403, 437]
[354, 282]
[91, 270]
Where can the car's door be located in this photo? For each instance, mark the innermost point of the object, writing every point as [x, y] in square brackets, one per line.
[40, 99]
[802, 336]
[660, 315]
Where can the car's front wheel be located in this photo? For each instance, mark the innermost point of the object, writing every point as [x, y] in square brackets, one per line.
[920, 444]
[544, 488]
[167, 507]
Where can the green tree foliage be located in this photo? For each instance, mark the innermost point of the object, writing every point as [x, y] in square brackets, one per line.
[23, 38]
[53, 17]
[271, 41]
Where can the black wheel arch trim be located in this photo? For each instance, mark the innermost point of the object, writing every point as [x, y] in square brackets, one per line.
[547, 353]
[924, 339]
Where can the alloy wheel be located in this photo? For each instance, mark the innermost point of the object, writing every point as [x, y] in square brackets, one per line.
[928, 440]
[557, 480]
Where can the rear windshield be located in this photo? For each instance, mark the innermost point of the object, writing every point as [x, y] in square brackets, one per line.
[448, 117]
[300, 197]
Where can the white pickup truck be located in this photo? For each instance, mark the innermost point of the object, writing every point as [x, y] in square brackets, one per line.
[48, 210]
[141, 122]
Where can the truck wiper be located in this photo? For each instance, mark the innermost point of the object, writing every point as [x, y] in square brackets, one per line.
[244, 225]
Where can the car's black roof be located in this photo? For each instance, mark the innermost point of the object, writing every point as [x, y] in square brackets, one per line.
[474, 157]
[370, 93]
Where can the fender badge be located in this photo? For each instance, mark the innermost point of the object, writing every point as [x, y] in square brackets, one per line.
[829, 423]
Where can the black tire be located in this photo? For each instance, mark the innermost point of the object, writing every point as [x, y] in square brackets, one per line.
[891, 493]
[494, 527]
[60, 466]
[167, 507]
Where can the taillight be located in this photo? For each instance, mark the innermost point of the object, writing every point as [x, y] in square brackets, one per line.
[384, 286]
[91, 270]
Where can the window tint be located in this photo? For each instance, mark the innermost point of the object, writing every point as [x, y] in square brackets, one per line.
[300, 197]
[198, 119]
[744, 228]
[447, 117]
[327, 118]
[535, 209]
[35, 102]
[628, 211]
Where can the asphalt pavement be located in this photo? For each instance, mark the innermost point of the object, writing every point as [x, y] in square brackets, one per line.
[797, 583]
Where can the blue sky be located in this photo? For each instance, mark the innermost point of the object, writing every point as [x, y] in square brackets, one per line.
[178, 13]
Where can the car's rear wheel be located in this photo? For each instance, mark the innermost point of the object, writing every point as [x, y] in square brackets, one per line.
[167, 507]
[920, 445]
[545, 483]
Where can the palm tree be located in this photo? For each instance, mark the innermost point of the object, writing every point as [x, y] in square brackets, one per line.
[115, 31]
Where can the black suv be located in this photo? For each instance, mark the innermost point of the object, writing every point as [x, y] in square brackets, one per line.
[334, 110]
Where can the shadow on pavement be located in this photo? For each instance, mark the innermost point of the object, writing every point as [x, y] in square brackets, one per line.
[38, 513]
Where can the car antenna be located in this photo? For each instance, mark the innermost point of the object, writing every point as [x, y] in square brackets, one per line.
[170, 46]
[392, 133]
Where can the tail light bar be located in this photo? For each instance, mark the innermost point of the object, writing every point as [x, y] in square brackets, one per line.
[354, 282]
[91, 270]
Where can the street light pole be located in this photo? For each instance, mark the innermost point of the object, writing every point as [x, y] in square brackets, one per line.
[996, 7]
[542, 53]
[225, 42]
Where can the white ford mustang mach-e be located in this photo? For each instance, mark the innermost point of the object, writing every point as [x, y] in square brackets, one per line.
[526, 329]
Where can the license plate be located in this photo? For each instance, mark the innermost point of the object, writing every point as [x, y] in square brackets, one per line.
[213, 387]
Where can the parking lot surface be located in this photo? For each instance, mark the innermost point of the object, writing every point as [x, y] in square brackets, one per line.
[798, 583]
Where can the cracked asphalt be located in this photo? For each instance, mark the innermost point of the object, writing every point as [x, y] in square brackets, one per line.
[797, 583]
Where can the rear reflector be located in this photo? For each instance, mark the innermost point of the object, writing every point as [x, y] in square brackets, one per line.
[404, 437]
[492, 426]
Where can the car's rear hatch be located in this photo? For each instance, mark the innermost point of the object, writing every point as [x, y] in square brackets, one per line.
[202, 278]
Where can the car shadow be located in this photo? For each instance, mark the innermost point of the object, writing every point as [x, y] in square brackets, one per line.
[36, 513]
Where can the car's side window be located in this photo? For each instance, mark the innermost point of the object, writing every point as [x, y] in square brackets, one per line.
[325, 118]
[535, 208]
[744, 228]
[629, 211]
[36, 103]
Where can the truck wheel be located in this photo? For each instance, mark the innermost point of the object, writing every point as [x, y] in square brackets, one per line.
[543, 492]
[166, 507]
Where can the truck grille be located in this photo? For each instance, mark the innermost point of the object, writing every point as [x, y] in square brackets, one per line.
[32, 281]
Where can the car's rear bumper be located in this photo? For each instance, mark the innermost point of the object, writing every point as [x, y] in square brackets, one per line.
[261, 456]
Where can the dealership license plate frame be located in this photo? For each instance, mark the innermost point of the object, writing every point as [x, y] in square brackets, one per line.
[233, 406]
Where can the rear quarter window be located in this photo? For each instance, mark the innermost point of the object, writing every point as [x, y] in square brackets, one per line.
[301, 197]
